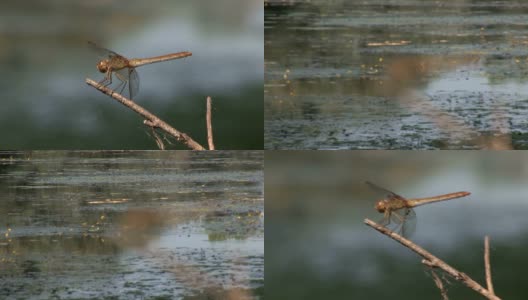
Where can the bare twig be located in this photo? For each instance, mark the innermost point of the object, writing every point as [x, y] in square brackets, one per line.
[439, 284]
[149, 123]
[209, 125]
[487, 265]
[433, 261]
[151, 119]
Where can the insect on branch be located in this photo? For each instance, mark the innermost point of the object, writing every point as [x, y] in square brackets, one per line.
[433, 261]
[150, 119]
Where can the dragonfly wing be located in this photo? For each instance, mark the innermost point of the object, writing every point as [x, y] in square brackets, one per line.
[403, 221]
[386, 219]
[409, 222]
[389, 193]
[133, 85]
[100, 50]
[392, 221]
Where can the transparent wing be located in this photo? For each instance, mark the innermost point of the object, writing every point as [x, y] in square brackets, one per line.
[409, 226]
[133, 84]
[403, 221]
[129, 76]
[100, 50]
[386, 220]
[389, 193]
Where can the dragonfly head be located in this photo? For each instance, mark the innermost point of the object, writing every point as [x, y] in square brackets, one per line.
[381, 206]
[102, 66]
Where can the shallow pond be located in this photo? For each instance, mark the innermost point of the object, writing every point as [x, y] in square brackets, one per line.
[396, 75]
[131, 225]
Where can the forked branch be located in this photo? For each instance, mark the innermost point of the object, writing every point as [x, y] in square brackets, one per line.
[433, 261]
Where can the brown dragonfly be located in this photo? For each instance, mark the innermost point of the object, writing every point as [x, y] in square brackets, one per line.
[125, 69]
[398, 212]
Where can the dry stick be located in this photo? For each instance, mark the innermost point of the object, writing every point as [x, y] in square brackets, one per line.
[151, 119]
[432, 260]
[487, 265]
[209, 126]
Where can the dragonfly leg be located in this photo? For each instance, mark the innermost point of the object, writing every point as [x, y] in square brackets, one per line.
[386, 218]
[120, 87]
[404, 220]
[107, 80]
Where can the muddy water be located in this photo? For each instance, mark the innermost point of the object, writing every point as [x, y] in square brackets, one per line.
[131, 225]
[396, 75]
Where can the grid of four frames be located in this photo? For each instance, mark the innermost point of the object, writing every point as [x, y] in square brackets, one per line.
[325, 116]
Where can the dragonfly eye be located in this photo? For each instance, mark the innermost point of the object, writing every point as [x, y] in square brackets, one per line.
[102, 66]
[380, 206]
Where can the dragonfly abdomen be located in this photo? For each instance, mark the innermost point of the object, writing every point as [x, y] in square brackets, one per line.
[422, 201]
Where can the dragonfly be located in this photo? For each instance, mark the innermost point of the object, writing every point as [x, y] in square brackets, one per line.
[398, 212]
[125, 69]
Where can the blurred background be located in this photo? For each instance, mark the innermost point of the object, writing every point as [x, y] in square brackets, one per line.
[45, 59]
[317, 243]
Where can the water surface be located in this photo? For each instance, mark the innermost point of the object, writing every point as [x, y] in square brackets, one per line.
[131, 225]
[396, 75]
